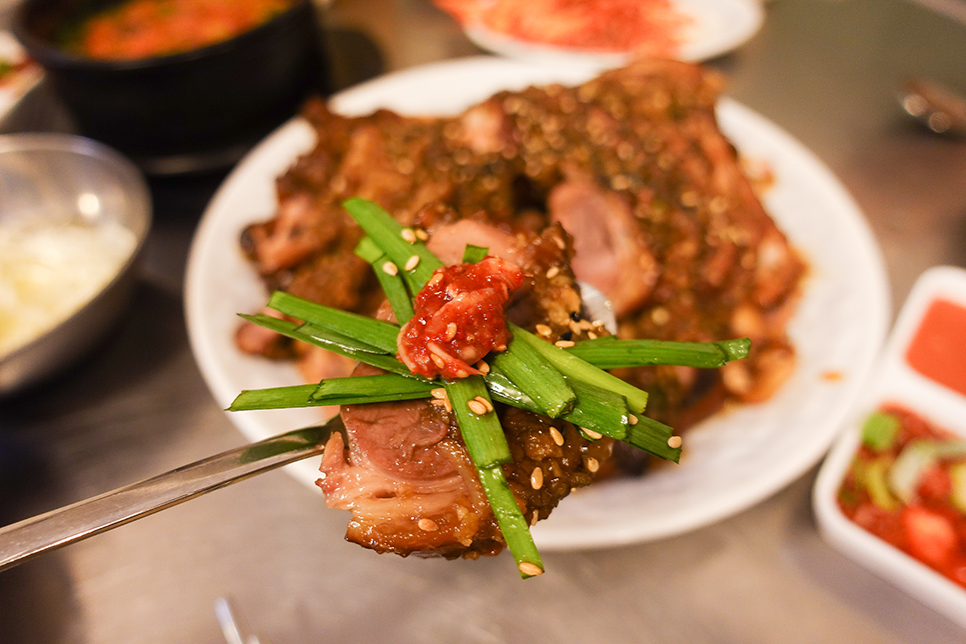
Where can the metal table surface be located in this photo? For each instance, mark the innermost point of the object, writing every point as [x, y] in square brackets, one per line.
[825, 70]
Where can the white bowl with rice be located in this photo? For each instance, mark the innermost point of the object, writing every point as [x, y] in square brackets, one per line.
[74, 215]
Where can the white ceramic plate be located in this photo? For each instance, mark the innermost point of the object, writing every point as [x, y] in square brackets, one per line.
[897, 382]
[715, 28]
[733, 460]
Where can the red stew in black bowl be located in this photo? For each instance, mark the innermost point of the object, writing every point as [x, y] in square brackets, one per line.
[179, 110]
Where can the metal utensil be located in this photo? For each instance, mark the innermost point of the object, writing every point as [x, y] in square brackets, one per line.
[230, 627]
[937, 107]
[67, 525]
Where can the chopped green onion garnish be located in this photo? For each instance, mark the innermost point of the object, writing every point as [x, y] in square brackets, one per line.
[273, 398]
[535, 376]
[611, 353]
[654, 437]
[370, 389]
[387, 233]
[577, 369]
[366, 329]
[478, 422]
[474, 254]
[512, 523]
[393, 284]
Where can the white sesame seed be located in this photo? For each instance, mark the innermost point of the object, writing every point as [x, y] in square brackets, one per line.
[483, 401]
[438, 393]
[437, 361]
[552, 272]
[557, 436]
[421, 234]
[632, 420]
[390, 269]
[409, 235]
[565, 344]
[450, 331]
[591, 335]
[543, 329]
[428, 525]
[412, 262]
[591, 434]
[536, 478]
[534, 518]
[674, 442]
[592, 464]
[476, 407]
[530, 569]
[483, 367]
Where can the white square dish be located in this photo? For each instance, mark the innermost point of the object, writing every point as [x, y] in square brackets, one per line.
[933, 398]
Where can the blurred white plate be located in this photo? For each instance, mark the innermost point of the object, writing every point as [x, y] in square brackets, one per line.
[15, 86]
[715, 28]
[897, 382]
[733, 460]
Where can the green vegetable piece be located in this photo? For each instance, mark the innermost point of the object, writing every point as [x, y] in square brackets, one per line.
[273, 398]
[874, 479]
[393, 284]
[529, 370]
[879, 431]
[611, 353]
[387, 233]
[473, 254]
[335, 342]
[516, 530]
[915, 459]
[370, 389]
[655, 438]
[482, 433]
[578, 369]
[367, 330]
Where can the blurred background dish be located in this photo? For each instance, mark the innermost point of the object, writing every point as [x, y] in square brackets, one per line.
[18, 73]
[178, 111]
[912, 500]
[73, 217]
[690, 30]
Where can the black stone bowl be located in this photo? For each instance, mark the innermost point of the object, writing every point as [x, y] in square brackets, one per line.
[189, 112]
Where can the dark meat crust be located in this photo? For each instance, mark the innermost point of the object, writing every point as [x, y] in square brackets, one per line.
[645, 134]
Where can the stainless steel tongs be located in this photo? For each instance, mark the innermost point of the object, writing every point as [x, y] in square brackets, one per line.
[67, 525]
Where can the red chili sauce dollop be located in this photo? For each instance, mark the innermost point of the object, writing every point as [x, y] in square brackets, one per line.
[922, 514]
[938, 349]
[459, 317]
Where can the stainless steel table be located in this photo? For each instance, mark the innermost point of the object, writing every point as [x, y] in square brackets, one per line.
[826, 70]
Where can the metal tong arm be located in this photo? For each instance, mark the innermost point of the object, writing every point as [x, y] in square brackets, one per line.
[57, 528]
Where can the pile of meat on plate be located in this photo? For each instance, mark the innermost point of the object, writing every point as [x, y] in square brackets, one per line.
[624, 183]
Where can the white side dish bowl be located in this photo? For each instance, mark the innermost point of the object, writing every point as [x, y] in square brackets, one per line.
[897, 382]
